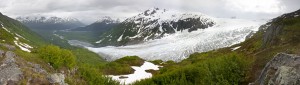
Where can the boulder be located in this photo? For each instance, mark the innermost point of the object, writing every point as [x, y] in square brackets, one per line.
[9, 70]
[283, 69]
[57, 78]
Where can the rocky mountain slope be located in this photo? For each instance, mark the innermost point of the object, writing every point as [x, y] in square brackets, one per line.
[153, 24]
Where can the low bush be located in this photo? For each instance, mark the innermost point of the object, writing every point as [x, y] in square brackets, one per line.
[223, 69]
[57, 57]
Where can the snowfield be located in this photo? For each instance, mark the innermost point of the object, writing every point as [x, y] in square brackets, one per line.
[180, 45]
[139, 73]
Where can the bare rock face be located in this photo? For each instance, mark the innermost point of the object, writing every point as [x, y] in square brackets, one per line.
[10, 73]
[283, 69]
[9, 47]
[1, 53]
[57, 78]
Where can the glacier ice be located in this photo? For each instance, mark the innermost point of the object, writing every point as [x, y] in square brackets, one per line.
[180, 45]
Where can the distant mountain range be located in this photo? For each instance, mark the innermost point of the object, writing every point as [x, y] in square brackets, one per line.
[91, 33]
[46, 26]
[38, 22]
[101, 25]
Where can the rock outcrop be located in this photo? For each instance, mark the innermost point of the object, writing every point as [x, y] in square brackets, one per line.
[57, 78]
[283, 69]
[10, 72]
[15, 70]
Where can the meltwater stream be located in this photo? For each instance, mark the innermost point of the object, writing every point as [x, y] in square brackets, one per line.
[180, 45]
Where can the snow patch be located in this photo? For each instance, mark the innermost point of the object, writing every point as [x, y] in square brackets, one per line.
[120, 38]
[20, 36]
[4, 28]
[235, 48]
[23, 46]
[99, 41]
[139, 73]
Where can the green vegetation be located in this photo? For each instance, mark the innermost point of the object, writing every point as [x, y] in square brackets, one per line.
[85, 56]
[57, 57]
[210, 68]
[17, 28]
[122, 65]
[130, 60]
[157, 62]
[93, 76]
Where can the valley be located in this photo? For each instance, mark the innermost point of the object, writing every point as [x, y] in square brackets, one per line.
[153, 46]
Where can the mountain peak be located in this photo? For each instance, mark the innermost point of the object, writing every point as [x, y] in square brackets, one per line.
[107, 20]
[152, 11]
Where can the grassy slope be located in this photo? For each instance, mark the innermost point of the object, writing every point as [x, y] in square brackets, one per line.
[17, 27]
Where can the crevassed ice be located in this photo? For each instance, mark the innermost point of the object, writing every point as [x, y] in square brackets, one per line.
[180, 45]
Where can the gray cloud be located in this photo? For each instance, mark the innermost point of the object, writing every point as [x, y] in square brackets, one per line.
[91, 10]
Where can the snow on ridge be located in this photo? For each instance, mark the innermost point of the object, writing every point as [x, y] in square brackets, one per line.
[44, 18]
[154, 17]
[109, 20]
[163, 15]
[180, 45]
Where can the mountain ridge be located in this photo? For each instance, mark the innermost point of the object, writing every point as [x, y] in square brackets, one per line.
[154, 23]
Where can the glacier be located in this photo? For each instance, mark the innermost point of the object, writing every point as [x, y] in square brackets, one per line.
[180, 45]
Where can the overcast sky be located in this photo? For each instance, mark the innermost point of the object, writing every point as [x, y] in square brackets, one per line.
[90, 10]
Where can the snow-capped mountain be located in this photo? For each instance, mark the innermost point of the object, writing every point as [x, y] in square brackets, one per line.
[46, 19]
[108, 20]
[49, 22]
[153, 24]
